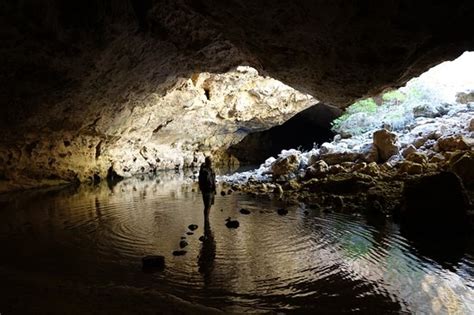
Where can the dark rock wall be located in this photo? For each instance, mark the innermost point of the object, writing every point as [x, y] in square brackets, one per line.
[308, 127]
[73, 71]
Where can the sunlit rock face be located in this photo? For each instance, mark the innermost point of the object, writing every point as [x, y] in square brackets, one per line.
[197, 116]
[144, 85]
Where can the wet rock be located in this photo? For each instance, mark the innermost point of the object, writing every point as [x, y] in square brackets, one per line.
[189, 233]
[183, 244]
[202, 238]
[316, 170]
[306, 212]
[285, 165]
[417, 157]
[408, 150]
[410, 168]
[244, 211]
[385, 141]
[463, 166]
[222, 193]
[291, 185]
[179, 253]
[278, 190]
[282, 211]
[153, 262]
[346, 183]
[193, 227]
[471, 125]
[438, 202]
[232, 224]
[453, 143]
[229, 191]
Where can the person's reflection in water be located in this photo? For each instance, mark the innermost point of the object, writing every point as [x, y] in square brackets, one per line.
[207, 254]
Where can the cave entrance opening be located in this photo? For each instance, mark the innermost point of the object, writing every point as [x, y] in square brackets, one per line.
[434, 97]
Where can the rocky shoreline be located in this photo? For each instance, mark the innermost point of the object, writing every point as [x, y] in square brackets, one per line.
[355, 175]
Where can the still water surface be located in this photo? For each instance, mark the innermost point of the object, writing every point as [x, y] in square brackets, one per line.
[301, 262]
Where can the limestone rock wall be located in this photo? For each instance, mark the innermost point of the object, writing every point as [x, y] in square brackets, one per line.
[144, 85]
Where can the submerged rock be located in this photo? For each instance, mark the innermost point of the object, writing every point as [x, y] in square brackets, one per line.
[232, 224]
[437, 202]
[193, 227]
[244, 211]
[153, 262]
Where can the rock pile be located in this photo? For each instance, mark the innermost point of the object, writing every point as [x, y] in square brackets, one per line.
[368, 172]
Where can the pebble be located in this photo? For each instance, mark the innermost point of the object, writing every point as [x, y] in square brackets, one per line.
[244, 211]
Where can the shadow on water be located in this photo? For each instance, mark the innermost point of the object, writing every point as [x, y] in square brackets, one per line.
[305, 261]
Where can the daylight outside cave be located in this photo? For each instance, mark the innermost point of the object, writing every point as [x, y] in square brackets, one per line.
[174, 157]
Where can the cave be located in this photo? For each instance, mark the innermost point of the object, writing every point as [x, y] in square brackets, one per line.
[307, 129]
[352, 122]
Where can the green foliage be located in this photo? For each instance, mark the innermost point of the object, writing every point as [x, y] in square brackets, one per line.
[363, 106]
[394, 97]
[397, 109]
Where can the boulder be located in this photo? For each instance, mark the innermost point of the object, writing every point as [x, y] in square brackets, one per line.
[463, 166]
[471, 125]
[408, 150]
[327, 148]
[438, 202]
[346, 183]
[417, 157]
[338, 158]
[385, 142]
[369, 153]
[410, 168]
[453, 143]
[336, 169]
[183, 244]
[313, 159]
[285, 165]
[437, 158]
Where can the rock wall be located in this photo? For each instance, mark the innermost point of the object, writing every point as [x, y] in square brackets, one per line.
[306, 129]
[144, 85]
[196, 116]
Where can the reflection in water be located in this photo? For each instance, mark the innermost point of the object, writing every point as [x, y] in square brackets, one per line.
[302, 263]
[207, 254]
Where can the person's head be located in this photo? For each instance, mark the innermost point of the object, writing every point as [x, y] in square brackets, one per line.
[208, 161]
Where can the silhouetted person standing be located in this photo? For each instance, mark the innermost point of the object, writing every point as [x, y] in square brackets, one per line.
[207, 185]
